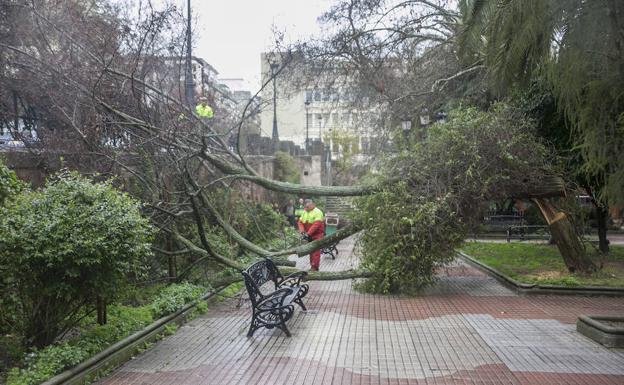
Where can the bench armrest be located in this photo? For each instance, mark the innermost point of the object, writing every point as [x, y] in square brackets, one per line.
[293, 279]
[278, 299]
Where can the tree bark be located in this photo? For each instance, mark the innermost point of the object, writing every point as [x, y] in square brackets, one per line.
[602, 215]
[171, 260]
[565, 237]
[290, 188]
[101, 310]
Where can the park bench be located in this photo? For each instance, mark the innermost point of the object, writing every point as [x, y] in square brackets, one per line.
[272, 306]
[525, 232]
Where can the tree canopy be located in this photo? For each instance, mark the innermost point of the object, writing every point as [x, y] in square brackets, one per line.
[578, 48]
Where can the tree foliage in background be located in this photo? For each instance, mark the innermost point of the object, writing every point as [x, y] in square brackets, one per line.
[65, 245]
[578, 47]
[10, 185]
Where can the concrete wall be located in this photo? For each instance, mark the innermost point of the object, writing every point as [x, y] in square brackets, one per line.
[311, 169]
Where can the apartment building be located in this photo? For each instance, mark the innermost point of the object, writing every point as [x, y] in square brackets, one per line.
[322, 108]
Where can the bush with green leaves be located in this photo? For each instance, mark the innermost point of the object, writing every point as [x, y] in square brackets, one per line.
[174, 297]
[65, 245]
[10, 185]
[41, 365]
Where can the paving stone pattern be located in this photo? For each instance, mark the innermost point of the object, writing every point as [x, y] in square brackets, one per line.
[468, 329]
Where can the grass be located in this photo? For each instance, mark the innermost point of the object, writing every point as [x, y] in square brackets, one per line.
[542, 264]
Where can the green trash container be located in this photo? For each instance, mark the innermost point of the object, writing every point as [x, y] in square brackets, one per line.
[331, 223]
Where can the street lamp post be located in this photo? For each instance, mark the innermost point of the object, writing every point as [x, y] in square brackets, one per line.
[188, 75]
[307, 142]
[275, 135]
[320, 122]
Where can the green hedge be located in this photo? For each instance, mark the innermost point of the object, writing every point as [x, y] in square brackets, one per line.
[122, 321]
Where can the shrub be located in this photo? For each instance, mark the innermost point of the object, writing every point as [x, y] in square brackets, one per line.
[10, 185]
[43, 364]
[46, 363]
[63, 246]
[174, 297]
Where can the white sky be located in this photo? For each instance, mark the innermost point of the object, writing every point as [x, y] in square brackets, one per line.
[233, 33]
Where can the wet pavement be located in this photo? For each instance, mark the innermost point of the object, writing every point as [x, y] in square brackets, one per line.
[468, 329]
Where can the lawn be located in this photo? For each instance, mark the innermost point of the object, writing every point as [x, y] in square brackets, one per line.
[535, 263]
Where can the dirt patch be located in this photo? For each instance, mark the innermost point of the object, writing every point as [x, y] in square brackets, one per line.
[548, 274]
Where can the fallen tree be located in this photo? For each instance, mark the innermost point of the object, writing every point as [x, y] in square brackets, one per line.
[130, 116]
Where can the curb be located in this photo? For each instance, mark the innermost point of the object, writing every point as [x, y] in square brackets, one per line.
[591, 327]
[120, 352]
[533, 289]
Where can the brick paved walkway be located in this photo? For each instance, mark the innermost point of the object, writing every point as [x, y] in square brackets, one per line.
[467, 330]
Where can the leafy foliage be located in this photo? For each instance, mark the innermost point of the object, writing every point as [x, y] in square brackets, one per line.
[406, 238]
[285, 169]
[122, 321]
[43, 364]
[63, 246]
[10, 185]
[577, 46]
[413, 226]
[174, 297]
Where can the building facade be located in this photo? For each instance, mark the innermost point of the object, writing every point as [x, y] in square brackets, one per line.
[318, 109]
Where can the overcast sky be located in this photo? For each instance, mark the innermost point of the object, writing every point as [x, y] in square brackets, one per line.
[233, 33]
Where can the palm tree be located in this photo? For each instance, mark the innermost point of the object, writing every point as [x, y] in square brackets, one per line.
[577, 46]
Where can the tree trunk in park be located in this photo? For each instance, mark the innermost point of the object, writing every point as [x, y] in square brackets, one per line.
[171, 260]
[602, 215]
[101, 310]
[564, 235]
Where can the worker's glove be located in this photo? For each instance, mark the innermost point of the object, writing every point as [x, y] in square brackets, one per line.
[306, 237]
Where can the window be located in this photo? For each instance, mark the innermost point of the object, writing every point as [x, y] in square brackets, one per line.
[317, 96]
[308, 96]
[326, 94]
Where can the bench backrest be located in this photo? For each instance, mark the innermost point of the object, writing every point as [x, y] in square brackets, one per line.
[257, 275]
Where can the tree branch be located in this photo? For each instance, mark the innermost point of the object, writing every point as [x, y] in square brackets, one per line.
[289, 188]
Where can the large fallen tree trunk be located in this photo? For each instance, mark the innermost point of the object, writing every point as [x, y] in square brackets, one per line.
[289, 188]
